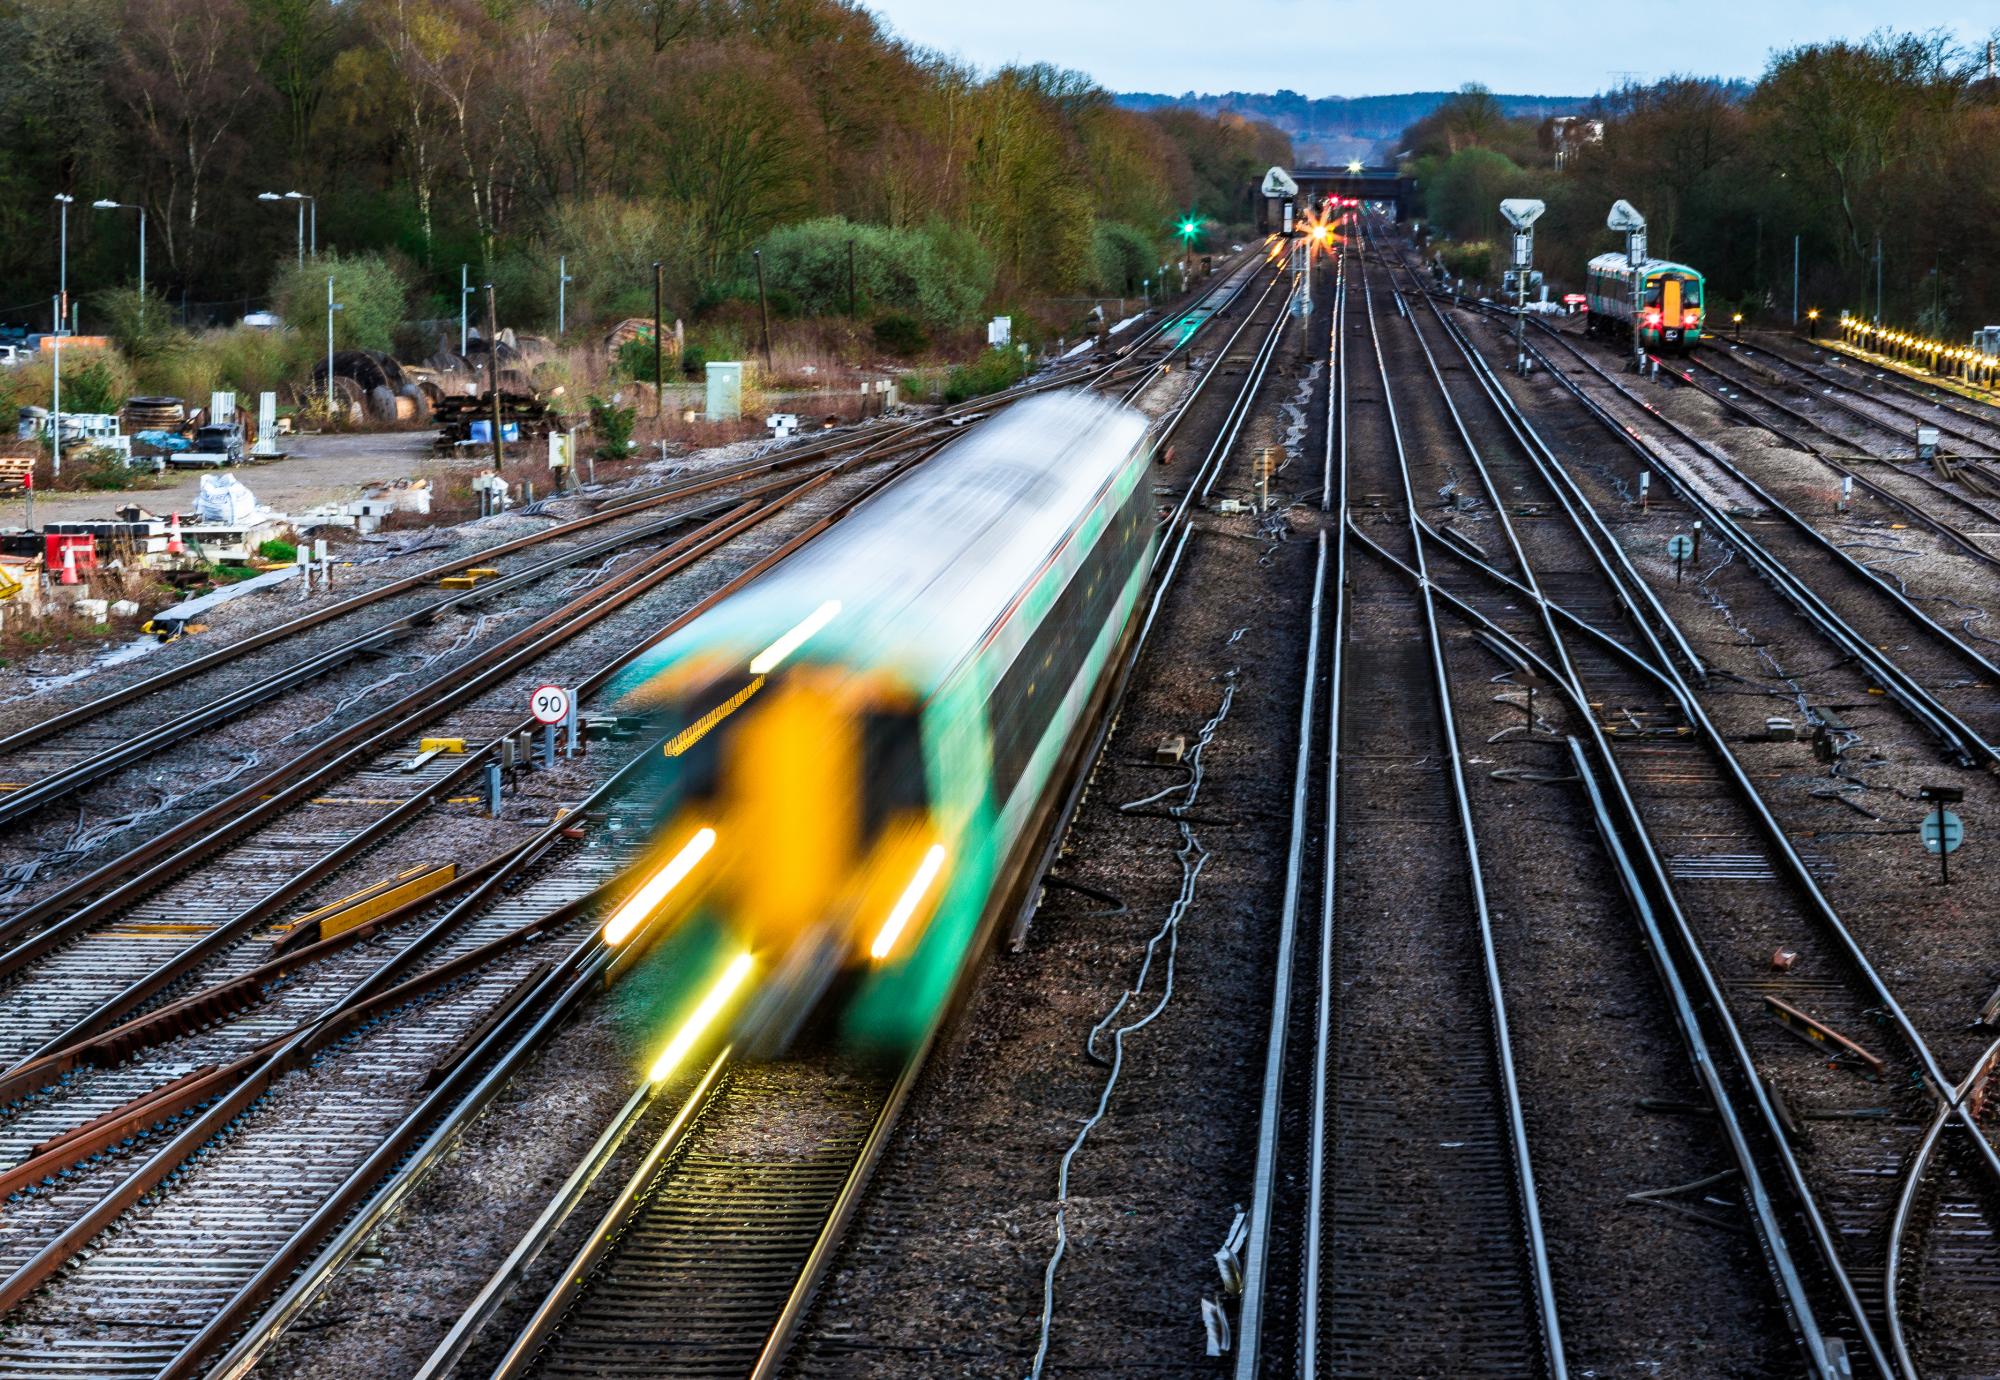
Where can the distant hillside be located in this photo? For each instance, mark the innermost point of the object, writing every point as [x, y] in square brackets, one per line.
[1336, 128]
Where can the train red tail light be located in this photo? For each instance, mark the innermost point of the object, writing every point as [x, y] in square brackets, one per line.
[1652, 318]
[1690, 318]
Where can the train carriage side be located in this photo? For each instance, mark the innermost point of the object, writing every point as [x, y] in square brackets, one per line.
[864, 732]
[996, 730]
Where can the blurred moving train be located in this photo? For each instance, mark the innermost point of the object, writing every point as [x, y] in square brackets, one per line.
[856, 743]
[1670, 309]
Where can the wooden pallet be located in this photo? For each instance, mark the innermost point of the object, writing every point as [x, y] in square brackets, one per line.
[14, 471]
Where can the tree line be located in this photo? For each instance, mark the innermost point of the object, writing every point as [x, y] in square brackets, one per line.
[1884, 151]
[612, 133]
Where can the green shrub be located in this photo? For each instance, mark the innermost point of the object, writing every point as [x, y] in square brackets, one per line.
[920, 385]
[991, 372]
[612, 425]
[277, 550]
[370, 291]
[635, 359]
[227, 573]
[1121, 256]
[900, 333]
[939, 275]
[1472, 262]
[98, 468]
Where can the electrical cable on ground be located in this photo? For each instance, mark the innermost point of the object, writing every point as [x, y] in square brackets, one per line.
[1193, 859]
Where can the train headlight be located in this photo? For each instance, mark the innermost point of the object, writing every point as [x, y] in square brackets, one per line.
[906, 904]
[641, 904]
[768, 660]
[712, 1003]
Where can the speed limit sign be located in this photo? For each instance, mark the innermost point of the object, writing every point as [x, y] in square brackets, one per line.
[549, 704]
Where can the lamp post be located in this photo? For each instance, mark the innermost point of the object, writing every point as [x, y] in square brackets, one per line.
[281, 196]
[464, 295]
[55, 427]
[310, 206]
[563, 280]
[331, 307]
[108, 205]
[63, 199]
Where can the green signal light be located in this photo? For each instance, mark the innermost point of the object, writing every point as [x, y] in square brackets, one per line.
[1189, 229]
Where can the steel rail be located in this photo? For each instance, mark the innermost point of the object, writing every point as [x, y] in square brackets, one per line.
[1542, 1284]
[1897, 383]
[1334, 500]
[1906, 1201]
[1901, 686]
[1264, 1171]
[1568, 679]
[1628, 586]
[1792, 1291]
[1780, 842]
[370, 993]
[1829, 920]
[315, 1278]
[1923, 515]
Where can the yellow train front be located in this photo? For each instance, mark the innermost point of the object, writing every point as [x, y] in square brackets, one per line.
[850, 748]
[1669, 305]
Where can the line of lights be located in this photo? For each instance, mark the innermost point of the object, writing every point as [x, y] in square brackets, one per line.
[1882, 336]
[906, 904]
[772, 656]
[643, 902]
[692, 1029]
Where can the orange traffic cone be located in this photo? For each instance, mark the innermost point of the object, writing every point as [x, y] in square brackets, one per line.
[69, 564]
[174, 547]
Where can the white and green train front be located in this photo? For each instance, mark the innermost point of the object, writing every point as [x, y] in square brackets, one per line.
[854, 745]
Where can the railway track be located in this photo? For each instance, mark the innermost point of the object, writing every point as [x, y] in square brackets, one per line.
[1828, 1226]
[709, 1254]
[375, 1119]
[1421, 1246]
[1946, 687]
[1903, 488]
[1887, 391]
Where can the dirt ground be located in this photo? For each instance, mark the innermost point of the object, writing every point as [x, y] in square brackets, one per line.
[316, 469]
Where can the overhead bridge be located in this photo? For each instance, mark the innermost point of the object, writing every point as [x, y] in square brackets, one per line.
[1378, 184]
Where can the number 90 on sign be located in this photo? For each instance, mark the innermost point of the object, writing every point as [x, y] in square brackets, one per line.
[549, 704]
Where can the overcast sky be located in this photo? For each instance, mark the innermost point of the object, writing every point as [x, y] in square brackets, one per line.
[1346, 48]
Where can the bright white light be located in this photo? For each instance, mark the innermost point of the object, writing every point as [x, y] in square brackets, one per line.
[704, 1016]
[906, 904]
[647, 898]
[767, 660]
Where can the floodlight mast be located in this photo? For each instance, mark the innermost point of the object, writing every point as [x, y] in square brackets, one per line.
[1626, 219]
[1522, 212]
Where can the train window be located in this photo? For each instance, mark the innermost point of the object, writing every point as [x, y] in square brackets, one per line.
[892, 769]
[1690, 292]
[1027, 697]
